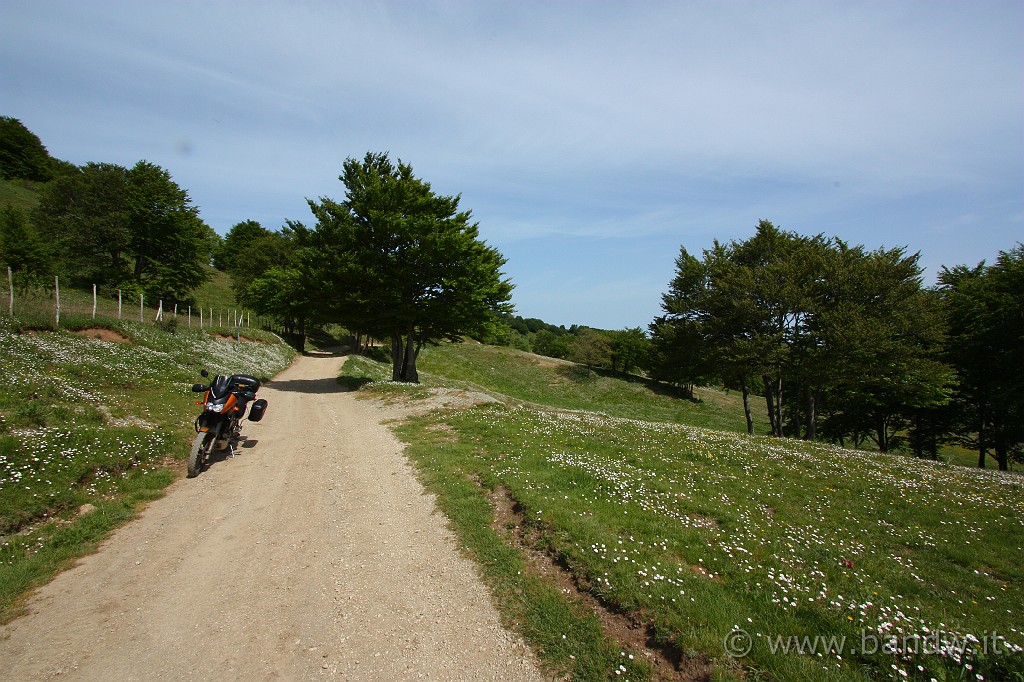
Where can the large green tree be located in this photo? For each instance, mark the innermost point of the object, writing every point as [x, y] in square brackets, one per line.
[87, 218]
[984, 306]
[631, 349]
[267, 276]
[877, 337]
[239, 238]
[681, 353]
[397, 261]
[21, 247]
[819, 328]
[126, 228]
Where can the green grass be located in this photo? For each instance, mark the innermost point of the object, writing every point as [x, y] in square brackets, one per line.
[217, 291]
[704, 535]
[84, 421]
[21, 193]
[37, 305]
[555, 383]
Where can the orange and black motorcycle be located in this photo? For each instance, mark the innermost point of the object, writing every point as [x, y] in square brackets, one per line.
[219, 427]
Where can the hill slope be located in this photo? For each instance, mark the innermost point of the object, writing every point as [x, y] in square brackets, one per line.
[541, 380]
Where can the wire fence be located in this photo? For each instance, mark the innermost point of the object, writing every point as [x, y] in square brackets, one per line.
[48, 303]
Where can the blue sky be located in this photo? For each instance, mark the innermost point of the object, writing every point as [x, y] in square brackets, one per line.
[590, 139]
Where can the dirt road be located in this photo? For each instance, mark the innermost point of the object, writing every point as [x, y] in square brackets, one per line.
[312, 555]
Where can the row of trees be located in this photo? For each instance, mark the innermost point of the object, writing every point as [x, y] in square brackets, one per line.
[624, 350]
[132, 229]
[847, 345]
[392, 260]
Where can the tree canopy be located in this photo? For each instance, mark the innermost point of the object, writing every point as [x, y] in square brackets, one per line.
[827, 333]
[984, 306]
[127, 228]
[22, 154]
[21, 248]
[397, 261]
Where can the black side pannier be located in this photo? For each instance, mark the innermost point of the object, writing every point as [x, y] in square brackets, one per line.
[257, 410]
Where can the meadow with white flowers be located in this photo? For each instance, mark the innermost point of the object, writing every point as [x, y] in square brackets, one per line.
[90, 428]
[764, 558]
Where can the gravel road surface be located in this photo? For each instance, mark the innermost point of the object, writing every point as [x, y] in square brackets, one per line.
[312, 555]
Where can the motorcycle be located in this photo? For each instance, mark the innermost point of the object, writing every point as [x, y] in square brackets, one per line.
[219, 427]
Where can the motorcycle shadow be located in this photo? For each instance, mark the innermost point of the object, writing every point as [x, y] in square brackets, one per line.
[219, 456]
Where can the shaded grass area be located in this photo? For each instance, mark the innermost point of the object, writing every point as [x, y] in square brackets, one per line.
[216, 291]
[829, 564]
[105, 423]
[21, 193]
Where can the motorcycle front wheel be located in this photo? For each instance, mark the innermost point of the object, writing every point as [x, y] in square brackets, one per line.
[197, 457]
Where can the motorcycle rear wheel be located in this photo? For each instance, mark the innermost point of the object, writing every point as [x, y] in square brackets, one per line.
[197, 457]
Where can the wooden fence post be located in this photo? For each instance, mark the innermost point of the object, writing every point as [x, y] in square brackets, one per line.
[190, 317]
[10, 285]
[159, 311]
[94, 301]
[119, 304]
[140, 308]
[56, 291]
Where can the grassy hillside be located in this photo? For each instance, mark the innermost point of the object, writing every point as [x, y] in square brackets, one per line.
[557, 383]
[649, 548]
[217, 291]
[22, 193]
[103, 423]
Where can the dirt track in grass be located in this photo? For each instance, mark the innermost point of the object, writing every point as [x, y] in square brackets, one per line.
[314, 554]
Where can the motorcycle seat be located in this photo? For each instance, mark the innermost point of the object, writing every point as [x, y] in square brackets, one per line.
[244, 382]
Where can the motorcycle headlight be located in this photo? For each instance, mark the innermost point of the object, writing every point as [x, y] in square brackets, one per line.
[214, 407]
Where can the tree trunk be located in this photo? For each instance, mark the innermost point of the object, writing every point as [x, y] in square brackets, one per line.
[1002, 452]
[778, 406]
[812, 414]
[397, 356]
[982, 445]
[410, 374]
[918, 436]
[746, 405]
[769, 400]
[933, 442]
[797, 417]
[773, 399]
[883, 433]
